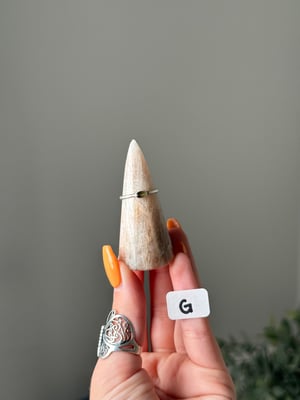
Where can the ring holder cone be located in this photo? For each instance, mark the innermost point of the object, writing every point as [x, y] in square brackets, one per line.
[144, 241]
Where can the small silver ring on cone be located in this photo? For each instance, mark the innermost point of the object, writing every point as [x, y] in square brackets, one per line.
[140, 194]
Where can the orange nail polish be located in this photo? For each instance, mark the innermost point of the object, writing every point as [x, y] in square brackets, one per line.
[173, 223]
[111, 266]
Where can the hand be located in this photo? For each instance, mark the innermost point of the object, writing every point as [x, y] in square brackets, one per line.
[185, 361]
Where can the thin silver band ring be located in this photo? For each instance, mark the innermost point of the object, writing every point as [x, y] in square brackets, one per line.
[140, 194]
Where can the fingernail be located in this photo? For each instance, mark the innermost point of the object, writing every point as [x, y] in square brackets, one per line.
[111, 266]
[173, 223]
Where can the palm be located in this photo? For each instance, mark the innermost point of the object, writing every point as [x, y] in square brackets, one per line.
[175, 376]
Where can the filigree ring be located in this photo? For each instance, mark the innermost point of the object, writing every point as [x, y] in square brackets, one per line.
[117, 334]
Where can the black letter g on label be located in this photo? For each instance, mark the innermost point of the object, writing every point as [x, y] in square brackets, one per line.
[185, 307]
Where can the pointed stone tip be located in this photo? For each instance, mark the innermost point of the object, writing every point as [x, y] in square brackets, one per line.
[134, 146]
[135, 159]
[133, 141]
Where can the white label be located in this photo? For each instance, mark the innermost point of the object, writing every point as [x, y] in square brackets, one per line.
[184, 304]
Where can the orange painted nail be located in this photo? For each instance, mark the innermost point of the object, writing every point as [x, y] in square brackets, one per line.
[173, 223]
[111, 266]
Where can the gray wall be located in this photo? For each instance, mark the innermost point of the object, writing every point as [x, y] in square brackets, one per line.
[211, 91]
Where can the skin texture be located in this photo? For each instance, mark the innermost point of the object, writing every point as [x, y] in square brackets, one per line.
[184, 362]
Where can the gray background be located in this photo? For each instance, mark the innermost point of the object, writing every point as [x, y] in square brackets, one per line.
[210, 90]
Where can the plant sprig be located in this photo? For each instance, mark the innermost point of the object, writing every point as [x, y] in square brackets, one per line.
[267, 369]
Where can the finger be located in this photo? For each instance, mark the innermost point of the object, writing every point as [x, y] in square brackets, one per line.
[180, 243]
[162, 328]
[129, 291]
[197, 337]
[141, 276]
[129, 300]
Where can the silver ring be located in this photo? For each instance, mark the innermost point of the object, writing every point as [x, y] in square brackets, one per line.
[139, 194]
[117, 334]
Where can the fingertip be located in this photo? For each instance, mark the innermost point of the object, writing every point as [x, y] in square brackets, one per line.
[183, 273]
[180, 243]
[178, 239]
[173, 223]
[129, 279]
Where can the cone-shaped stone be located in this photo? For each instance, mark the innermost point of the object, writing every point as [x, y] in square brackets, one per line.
[144, 240]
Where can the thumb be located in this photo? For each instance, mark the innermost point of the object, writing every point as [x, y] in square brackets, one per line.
[129, 300]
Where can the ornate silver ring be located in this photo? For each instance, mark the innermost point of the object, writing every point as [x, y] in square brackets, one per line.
[117, 334]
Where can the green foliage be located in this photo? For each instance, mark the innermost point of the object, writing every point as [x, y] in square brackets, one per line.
[268, 369]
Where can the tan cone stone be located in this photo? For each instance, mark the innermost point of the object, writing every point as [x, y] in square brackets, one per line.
[144, 240]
